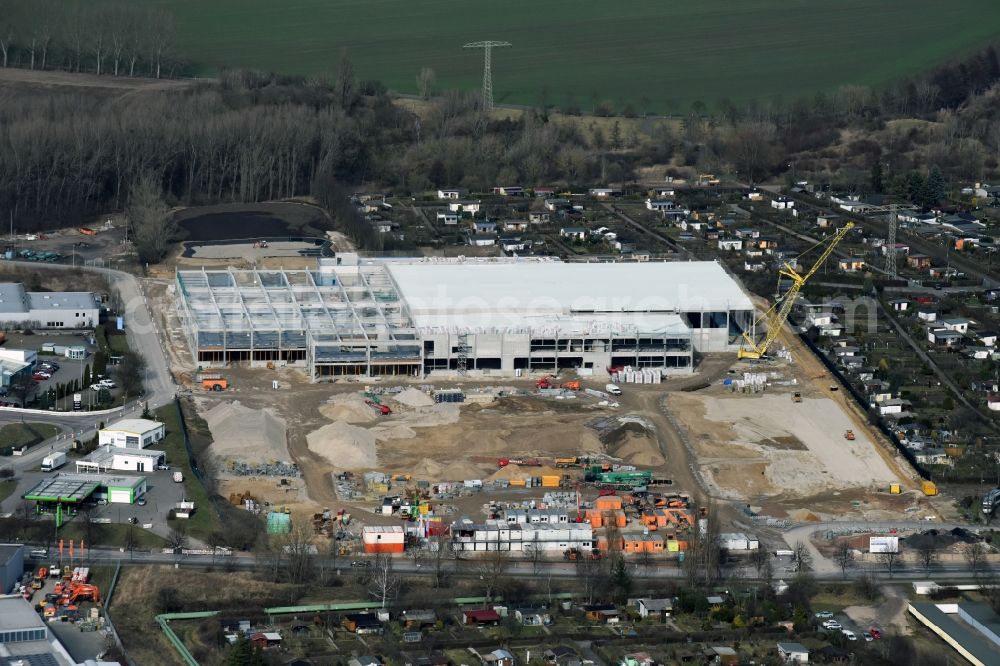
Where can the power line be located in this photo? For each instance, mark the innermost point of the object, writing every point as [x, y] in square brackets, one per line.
[487, 47]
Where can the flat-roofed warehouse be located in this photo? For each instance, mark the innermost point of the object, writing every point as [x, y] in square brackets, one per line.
[355, 316]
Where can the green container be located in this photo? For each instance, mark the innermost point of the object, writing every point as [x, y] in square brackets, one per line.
[279, 523]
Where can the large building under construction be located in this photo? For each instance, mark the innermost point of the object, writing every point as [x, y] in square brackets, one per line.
[356, 316]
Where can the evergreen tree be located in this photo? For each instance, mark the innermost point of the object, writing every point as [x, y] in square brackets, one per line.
[621, 579]
[86, 375]
[241, 654]
[877, 177]
[914, 186]
[934, 187]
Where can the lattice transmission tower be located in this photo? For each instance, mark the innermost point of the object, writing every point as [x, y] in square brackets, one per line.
[487, 47]
[890, 249]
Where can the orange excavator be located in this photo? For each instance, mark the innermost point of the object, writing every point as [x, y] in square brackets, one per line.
[72, 593]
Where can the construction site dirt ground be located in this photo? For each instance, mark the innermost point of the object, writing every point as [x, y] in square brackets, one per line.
[784, 459]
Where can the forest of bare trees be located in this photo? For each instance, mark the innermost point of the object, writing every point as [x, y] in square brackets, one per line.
[116, 38]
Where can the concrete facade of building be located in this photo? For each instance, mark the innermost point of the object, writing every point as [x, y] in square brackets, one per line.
[368, 317]
[44, 309]
[11, 565]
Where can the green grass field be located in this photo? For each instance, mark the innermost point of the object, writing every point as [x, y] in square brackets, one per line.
[659, 55]
[30, 434]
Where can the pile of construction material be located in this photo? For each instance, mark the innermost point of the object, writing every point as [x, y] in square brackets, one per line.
[630, 375]
[344, 445]
[752, 382]
[252, 436]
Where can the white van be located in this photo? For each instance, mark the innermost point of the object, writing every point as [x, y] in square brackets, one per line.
[613, 389]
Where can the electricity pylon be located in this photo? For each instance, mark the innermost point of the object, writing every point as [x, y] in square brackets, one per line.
[487, 73]
[890, 253]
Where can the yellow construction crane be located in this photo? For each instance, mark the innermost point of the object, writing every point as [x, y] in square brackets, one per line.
[776, 316]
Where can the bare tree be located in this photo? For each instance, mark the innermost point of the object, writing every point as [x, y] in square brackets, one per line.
[159, 39]
[440, 551]
[152, 224]
[802, 557]
[534, 553]
[844, 557]
[299, 554]
[748, 145]
[492, 568]
[975, 558]
[927, 556]
[177, 537]
[588, 572]
[891, 560]
[425, 81]
[761, 560]
[8, 15]
[383, 584]
[98, 26]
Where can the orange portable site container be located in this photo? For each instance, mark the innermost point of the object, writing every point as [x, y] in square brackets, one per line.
[608, 502]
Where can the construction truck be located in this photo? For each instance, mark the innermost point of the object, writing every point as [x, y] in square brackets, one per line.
[521, 462]
[572, 385]
[849, 435]
[574, 554]
[797, 397]
[567, 462]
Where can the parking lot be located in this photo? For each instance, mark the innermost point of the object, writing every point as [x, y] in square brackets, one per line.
[851, 630]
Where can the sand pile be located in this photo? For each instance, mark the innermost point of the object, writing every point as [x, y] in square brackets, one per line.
[639, 450]
[412, 397]
[248, 435]
[434, 415]
[384, 433]
[456, 471]
[350, 408]
[344, 445]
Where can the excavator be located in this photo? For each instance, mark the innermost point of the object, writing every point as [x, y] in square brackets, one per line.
[777, 314]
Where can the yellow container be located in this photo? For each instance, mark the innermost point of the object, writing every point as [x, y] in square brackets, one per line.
[517, 482]
[550, 481]
[894, 489]
[929, 488]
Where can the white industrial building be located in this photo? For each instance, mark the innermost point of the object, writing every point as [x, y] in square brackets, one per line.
[131, 434]
[520, 537]
[15, 364]
[109, 458]
[47, 309]
[363, 317]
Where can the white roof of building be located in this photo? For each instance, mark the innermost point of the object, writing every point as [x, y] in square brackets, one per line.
[63, 300]
[16, 613]
[134, 426]
[508, 294]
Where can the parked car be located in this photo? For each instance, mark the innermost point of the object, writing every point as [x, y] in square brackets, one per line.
[832, 624]
[849, 635]
[163, 468]
[868, 637]
[824, 615]
[875, 633]
[96, 387]
[141, 501]
[41, 376]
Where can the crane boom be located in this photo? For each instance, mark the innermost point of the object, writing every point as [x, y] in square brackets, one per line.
[777, 314]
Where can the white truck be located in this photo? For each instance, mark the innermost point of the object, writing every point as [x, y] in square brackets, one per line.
[613, 389]
[53, 461]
